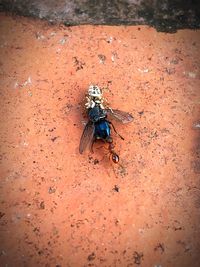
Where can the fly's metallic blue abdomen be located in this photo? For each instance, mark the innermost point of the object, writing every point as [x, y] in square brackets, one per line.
[102, 130]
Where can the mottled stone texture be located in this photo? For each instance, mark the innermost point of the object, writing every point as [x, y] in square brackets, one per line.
[164, 15]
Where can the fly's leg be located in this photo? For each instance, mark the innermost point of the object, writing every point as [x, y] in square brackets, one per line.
[115, 130]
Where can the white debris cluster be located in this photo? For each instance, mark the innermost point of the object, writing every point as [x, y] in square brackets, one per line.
[94, 97]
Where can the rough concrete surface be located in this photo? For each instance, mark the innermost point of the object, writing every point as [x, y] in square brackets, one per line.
[164, 15]
[60, 208]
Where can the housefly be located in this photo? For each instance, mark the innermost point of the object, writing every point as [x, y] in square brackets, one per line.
[98, 126]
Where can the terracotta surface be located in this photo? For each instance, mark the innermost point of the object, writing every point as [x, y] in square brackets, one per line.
[60, 208]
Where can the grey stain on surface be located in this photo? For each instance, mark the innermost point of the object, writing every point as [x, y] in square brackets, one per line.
[164, 15]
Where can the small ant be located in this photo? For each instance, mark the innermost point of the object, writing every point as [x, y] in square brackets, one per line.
[113, 154]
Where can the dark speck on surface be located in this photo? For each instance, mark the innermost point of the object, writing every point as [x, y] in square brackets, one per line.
[91, 257]
[1, 214]
[116, 188]
[52, 190]
[138, 257]
[53, 139]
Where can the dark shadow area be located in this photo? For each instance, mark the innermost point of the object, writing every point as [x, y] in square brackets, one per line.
[164, 15]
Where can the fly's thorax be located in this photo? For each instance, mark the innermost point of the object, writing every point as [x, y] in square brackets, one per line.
[97, 113]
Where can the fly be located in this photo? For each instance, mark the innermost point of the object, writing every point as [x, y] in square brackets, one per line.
[98, 127]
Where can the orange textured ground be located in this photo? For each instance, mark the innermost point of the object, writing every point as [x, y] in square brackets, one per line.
[60, 208]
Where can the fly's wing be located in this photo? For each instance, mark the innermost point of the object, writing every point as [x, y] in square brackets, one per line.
[87, 137]
[121, 116]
